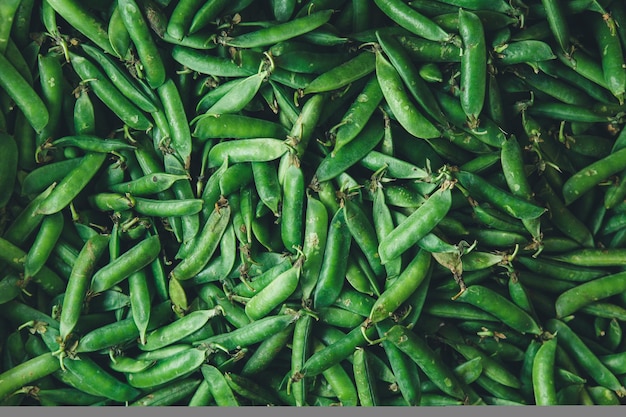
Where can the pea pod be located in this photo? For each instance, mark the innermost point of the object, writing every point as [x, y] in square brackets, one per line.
[133, 260]
[416, 226]
[78, 283]
[473, 65]
[280, 32]
[417, 349]
[413, 21]
[169, 369]
[27, 372]
[402, 107]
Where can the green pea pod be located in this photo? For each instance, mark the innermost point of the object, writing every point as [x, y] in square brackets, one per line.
[416, 226]
[364, 235]
[148, 184]
[493, 303]
[359, 112]
[584, 357]
[397, 99]
[127, 111]
[140, 302]
[275, 293]
[413, 21]
[121, 79]
[426, 359]
[334, 263]
[247, 150]
[207, 241]
[235, 126]
[27, 372]
[140, 34]
[43, 244]
[207, 64]
[252, 333]
[280, 32]
[168, 369]
[221, 391]
[342, 75]
[23, 94]
[81, 18]
[291, 223]
[349, 154]
[315, 237]
[524, 51]
[473, 65]
[576, 298]
[131, 261]
[483, 190]
[267, 186]
[402, 288]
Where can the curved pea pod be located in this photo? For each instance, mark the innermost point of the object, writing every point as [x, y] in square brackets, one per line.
[133, 260]
[524, 51]
[221, 391]
[206, 243]
[610, 46]
[239, 96]
[148, 184]
[482, 190]
[168, 369]
[292, 212]
[236, 126]
[247, 150]
[416, 226]
[426, 359]
[27, 372]
[141, 36]
[78, 283]
[584, 357]
[576, 298]
[349, 154]
[174, 109]
[364, 235]
[493, 303]
[315, 237]
[473, 65]
[204, 63]
[167, 208]
[267, 186]
[177, 330]
[334, 263]
[413, 21]
[251, 333]
[280, 32]
[543, 373]
[23, 94]
[590, 176]
[399, 102]
[275, 293]
[342, 75]
[402, 288]
[563, 219]
[127, 111]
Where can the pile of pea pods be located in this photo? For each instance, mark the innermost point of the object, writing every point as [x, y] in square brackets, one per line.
[312, 202]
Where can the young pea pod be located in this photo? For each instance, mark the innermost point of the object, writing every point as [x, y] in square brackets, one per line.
[127, 111]
[416, 226]
[580, 352]
[221, 391]
[576, 298]
[482, 190]
[613, 63]
[275, 293]
[543, 373]
[131, 261]
[413, 21]
[292, 212]
[168, 369]
[334, 263]
[402, 288]
[399, 102]
[205, 245]
[342, 75]
[426, 359]
[27, 372]
[493, 303]
[247, 150]
[177, 120]
[590, 176]
[473, 65]
[141, 36]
